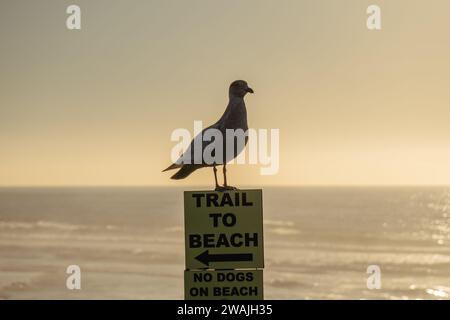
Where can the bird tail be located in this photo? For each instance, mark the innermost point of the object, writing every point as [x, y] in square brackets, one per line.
[185, 171]
[172, 166]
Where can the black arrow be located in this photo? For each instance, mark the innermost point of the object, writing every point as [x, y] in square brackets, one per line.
[206, 258]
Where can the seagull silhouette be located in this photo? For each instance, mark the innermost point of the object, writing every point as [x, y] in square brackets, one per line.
[234, 117]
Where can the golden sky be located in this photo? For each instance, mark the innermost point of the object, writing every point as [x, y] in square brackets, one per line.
[97, 106]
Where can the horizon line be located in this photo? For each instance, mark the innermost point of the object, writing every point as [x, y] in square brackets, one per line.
[243, 186]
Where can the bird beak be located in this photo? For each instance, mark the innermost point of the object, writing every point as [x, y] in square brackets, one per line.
[250, 90]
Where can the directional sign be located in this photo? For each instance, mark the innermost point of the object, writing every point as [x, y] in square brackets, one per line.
[223, 284]
[224, 230]
[206, 258]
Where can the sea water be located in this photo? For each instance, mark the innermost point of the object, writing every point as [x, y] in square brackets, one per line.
[319, 242]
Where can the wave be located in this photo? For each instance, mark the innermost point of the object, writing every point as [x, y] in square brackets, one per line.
[174, 229]
[284, 231]
[42, 224]
[279, 223]
[439, 292]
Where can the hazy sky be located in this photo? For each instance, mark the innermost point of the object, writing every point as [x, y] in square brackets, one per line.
[97, 106]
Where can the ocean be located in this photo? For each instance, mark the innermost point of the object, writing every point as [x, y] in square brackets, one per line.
[319, 242]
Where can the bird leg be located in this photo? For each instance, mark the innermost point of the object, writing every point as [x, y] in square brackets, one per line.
[225, 185]
[215, 178]
[225, 175]
[218, 188]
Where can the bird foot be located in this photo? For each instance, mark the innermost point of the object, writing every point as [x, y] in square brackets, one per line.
[225, 188]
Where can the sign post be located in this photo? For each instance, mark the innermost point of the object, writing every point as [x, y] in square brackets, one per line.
[224, 244]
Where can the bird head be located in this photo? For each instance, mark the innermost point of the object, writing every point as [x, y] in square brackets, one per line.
[239, 88]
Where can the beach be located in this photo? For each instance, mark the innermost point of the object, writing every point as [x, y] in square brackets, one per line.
[319, 242]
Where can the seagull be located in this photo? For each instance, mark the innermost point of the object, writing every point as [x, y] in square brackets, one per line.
[235, 118]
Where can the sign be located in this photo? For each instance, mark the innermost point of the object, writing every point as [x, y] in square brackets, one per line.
[223, 284]
[223, 230]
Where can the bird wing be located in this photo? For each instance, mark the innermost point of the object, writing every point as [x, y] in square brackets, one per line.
[226, 121]
[188, 155]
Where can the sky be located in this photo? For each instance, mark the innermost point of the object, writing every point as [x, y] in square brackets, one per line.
[97, 106]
